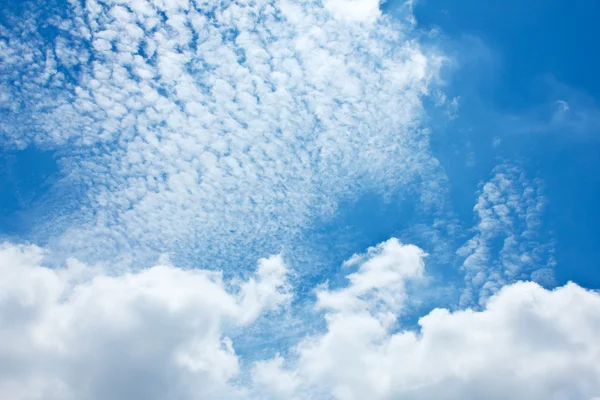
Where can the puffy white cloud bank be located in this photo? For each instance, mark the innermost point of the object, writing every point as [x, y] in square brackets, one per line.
[162, 333]
[78, 333]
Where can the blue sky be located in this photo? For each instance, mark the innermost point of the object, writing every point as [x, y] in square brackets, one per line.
[237, 190]
[531, 55]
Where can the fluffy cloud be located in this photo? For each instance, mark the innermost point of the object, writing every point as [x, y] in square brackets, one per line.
[527, 343]
[380, 278]
[79, 333]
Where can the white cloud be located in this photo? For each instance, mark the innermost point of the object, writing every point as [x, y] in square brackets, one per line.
[210, 127]
[267, 290]
[160, 333]
[78, 333]
[563, 105]
[243, 122]
[268, 375]
[381, 277]
[527, 343]
[508, 243]
[354, 10]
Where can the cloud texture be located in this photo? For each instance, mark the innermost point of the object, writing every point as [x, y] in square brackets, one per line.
[77, 333]
[508, 242]
[221, 131]
[245, 122]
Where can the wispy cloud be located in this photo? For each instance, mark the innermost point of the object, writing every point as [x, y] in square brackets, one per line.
[568, 111]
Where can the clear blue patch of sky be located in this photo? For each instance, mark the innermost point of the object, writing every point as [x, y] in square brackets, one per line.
[533, 37]
[25, 177]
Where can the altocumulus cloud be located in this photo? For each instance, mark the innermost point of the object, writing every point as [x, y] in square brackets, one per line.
[509, 211]
[162, 333]
[243, 121]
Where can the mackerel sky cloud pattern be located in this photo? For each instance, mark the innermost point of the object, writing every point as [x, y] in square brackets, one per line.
[240, 121]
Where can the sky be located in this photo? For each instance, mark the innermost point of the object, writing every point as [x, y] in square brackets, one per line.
[539, 71]
[299, 199]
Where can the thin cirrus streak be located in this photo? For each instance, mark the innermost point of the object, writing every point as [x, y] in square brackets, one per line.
[219, 125]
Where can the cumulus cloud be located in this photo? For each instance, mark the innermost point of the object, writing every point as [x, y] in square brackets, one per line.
[527, 343]
[78, 333]
[162, 333]
[242, 121]
[381, 276]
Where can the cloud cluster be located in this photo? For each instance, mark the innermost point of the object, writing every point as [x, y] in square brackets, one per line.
[213, 128]
[507, 244]
[528, 343]
[242, 121]
[77, 333]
